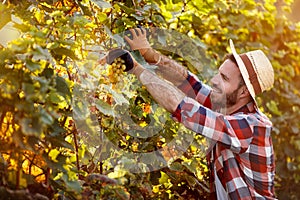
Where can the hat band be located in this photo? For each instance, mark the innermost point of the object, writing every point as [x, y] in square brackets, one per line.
[252, 74]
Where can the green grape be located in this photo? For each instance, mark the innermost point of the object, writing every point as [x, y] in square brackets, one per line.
[116, 70]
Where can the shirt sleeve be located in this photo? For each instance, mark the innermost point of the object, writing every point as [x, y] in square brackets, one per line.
[196, 89]
[234, 132]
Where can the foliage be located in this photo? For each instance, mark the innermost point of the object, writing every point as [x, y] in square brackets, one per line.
[67, 131]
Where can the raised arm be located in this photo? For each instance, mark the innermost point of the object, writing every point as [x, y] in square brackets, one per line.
[164, 93]
[169, 69]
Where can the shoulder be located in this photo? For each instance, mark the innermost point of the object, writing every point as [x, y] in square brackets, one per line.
[255, 118]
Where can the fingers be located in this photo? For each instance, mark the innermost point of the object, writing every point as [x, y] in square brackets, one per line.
[128, 40]
[134, 36]
[133, 33]
[141, 31]
[137, 32]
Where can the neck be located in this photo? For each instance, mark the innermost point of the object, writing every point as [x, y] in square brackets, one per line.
[232, 109]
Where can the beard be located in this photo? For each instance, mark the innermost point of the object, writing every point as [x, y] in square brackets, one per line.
[231, 99]
[222, 101]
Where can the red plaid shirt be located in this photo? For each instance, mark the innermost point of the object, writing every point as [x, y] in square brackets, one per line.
[243, 151]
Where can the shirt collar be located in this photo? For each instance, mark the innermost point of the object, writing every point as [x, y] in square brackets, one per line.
[248, 108]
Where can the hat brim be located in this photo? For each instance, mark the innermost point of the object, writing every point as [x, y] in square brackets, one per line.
[243, 69]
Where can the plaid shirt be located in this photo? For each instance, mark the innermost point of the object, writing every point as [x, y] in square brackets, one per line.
[242, 153]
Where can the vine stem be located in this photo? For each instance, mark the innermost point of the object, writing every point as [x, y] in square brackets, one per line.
[31, 164]
[18, 172]
[76, 147]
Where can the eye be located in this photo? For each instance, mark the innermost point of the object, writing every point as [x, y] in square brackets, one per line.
[224, 77]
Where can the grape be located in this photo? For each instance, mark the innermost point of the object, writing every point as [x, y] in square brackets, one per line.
[116, 70]
[121, 56]
[119, 61]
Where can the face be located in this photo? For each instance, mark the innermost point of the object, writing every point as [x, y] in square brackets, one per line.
[226, 85]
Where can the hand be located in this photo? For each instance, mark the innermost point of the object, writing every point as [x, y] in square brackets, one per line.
[132, 66]
[124, 55]
[139, 40]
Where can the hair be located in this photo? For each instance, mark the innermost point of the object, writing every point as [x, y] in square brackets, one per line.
[232, 58]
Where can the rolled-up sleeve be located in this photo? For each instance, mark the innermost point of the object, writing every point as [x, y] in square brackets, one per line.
[196, 89]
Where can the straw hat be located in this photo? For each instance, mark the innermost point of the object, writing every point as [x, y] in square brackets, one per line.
[256, 70]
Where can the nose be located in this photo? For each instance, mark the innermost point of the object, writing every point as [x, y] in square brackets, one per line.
[214, 80]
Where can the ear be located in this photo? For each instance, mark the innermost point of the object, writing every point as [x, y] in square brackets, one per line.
[244, 92]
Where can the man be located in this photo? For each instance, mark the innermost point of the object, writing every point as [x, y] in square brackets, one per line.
[241, 156]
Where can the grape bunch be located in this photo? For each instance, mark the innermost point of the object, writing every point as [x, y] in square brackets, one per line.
[119, 61]
[116, 70]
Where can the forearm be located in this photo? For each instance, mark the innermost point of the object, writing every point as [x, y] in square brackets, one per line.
[167, 68]
[171, 70]
[164, 93]
[179, 76]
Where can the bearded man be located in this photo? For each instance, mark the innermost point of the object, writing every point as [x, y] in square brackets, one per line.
[241, 157]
